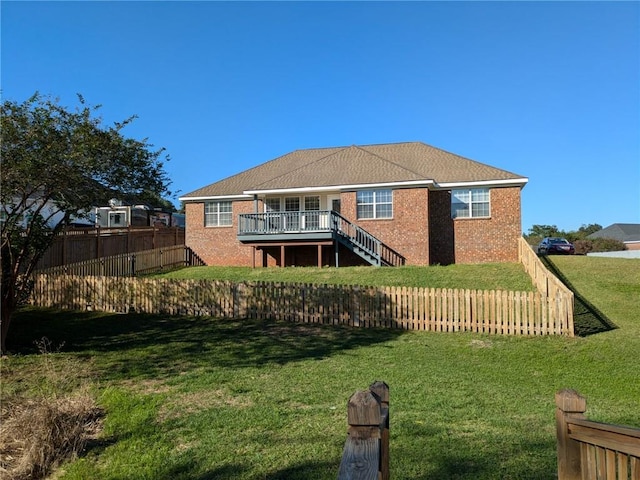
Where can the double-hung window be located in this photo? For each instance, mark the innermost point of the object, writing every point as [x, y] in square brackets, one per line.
[272, 204]
[470, 203]
[218, 214]
[374, 204]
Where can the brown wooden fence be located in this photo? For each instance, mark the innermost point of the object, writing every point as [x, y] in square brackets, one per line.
[80, 244]
[545, 281]
[366, 451]
[590, 450]
[431, 309]
[131, 264]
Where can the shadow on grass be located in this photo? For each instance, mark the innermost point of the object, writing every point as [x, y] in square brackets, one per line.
[455, 453]
[159, 346]
[587, 319]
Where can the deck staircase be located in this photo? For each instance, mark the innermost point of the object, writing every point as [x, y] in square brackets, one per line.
[316, 225]
[364, 244]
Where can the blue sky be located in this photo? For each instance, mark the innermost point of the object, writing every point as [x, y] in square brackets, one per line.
[547, 90]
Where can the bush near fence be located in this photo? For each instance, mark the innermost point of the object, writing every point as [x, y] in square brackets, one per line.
[409, 308]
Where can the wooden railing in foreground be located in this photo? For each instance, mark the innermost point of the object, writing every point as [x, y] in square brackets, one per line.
[366, 451]
[431, 309]
[590, 450]
[131, 264]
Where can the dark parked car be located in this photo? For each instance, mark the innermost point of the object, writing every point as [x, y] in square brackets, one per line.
[551, 245]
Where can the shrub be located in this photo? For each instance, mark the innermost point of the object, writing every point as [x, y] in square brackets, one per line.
[598, 245]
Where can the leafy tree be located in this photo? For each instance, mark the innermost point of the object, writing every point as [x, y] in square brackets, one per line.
[586, 230]
[56, 165]
[544, 231]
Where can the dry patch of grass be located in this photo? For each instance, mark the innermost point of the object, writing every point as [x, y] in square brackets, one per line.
[48, 414]
[38, 435]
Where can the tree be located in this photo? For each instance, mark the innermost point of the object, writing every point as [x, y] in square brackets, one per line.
[586, 230]
[56, 165]
[543, 231]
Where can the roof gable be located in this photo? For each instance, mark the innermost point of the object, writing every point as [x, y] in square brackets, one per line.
[341, 167]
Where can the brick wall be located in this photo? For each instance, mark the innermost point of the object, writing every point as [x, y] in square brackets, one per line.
[218, 245]
[492, 239]
[421, 230]
[407, 232]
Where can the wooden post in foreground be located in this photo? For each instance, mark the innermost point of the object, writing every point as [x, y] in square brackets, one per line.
[366, 450]
[569, 404]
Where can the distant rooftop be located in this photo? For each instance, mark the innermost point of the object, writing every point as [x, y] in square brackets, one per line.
[624, 232]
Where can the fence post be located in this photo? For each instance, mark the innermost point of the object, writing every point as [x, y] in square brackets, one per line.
[382, 390]
[569, 404]
[133, 264]
[366, 451]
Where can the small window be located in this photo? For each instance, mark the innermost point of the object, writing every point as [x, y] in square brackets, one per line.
[312, 203]
[218, 214]
[470, 203]
[272, 204]
[374, 204]
[292, 204]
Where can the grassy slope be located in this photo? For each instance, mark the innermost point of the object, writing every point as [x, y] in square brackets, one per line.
[495, 276]
[200, 398]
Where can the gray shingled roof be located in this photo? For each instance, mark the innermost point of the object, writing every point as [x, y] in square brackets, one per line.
[358, 165]
[624, 232]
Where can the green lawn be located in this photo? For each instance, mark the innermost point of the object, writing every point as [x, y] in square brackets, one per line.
[494, 276]
[200, 398]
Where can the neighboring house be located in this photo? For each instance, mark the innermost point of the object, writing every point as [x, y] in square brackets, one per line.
[627, 233]
[388, 204]
[119, 214]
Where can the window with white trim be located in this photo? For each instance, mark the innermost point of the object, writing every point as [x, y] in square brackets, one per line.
[218, 214]
[272, 204]
[292, 204]
[470, 203]
[374, 204]
[312, 203]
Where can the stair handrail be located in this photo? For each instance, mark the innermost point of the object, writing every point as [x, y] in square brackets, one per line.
[377, 249]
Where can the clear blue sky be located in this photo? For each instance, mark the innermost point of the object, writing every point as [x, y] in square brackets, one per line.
[547, 90]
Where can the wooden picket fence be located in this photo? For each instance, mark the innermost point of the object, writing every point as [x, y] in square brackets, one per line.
[545, 281]
[79, 244]
[430, 309]
[131, 264]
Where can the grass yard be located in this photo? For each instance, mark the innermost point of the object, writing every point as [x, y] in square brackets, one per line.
[495, 276]
[200, 398]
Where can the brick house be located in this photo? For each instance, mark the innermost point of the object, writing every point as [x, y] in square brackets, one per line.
[387, 204]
